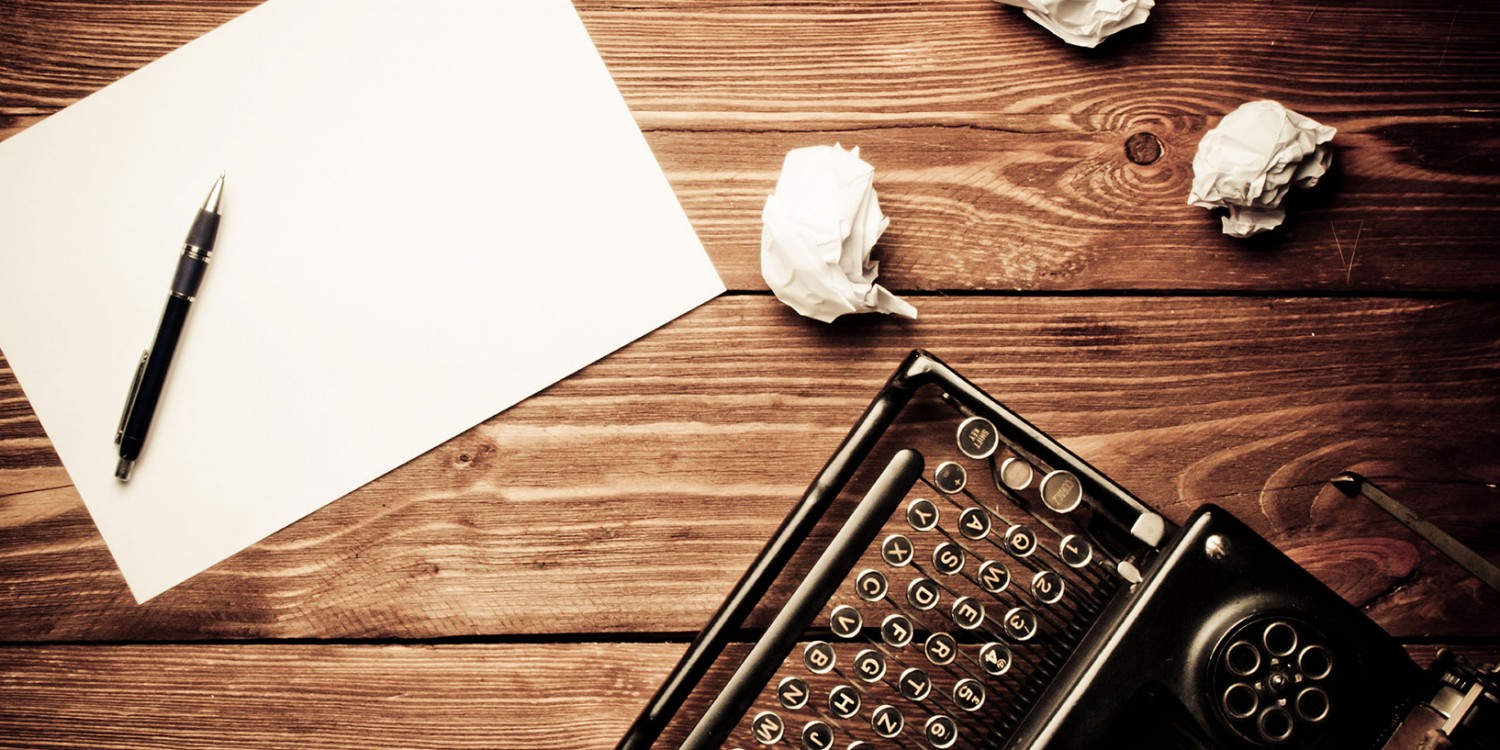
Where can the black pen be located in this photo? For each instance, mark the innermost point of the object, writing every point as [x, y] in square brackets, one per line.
[151, 373]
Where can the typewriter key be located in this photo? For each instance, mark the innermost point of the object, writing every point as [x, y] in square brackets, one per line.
[843, 701]
[1316, 662]
[896, 550]
[940, 648]
[950, 477]
[819, 658]
[968, 694]
[993, 576]
[869, 665]
[968, 613]
[1074, 551]
[1275, 725]
[923, 593]
[922, 515]
[1312, 705]
[978, 438]
[1061, 491]
[871, 585]
[995, 658]
[1047, 587]
[896, 631]
[1240, 701]
[974, 523]
[948, 558]
[940, 732]
[1020, 540]
[1016, 474]
[1280, 639]
[767, 728]
[1020, 624]
[792, 692]
[817, 736]
[915, 685]
[1241, 658]
[845, 621]
[887, 721]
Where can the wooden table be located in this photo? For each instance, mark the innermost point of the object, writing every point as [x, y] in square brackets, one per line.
[528, 583]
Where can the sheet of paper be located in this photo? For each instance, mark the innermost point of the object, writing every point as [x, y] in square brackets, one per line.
[433, 209]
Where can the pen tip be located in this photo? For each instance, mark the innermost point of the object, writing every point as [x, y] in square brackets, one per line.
[211, 203]
[123, 469]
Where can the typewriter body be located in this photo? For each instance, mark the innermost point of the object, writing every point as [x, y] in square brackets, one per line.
[954, 578]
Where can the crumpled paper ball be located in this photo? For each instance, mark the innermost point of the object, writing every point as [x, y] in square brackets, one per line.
[1085, 22]
[1252, 158]
[819, 226]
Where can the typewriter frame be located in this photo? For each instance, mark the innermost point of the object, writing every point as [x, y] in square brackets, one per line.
[1376, 687]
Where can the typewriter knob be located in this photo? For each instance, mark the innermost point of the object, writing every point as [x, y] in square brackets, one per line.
[1272, 678]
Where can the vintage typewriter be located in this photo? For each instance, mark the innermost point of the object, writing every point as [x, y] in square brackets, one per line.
[973, 584]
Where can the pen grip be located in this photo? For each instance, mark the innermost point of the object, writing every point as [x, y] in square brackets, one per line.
[153, 378]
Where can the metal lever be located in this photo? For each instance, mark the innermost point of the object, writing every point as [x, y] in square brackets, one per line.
[1354, 485]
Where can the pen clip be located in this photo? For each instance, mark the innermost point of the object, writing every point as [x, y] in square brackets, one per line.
[135, 386]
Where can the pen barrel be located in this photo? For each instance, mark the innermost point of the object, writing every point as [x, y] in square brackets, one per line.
[153, 378]
[189, 276]
[201, 235]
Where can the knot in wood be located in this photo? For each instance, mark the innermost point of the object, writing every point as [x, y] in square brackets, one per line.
[1143, 148]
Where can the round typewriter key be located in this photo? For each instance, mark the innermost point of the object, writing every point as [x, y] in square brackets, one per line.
[1280, 639]
[923, 593]
[1075, 551]
[940, 732]
[1312, 705]
[968, 613]
[978, 438]
[940, 648]
[1020, 540]
[887, 721]
[1061, 491]
[1315, 662]
[1241, 658]
[896, 550]
[995, 658]
[968, 694]
[845, 621]
[922, 514]
[857, 745]
[1016, 474]
[871, 585]
[843, 701]
[817, 736]
[948, 558]
[1275, 725]
[1020, 624]
[792, 692]
[896, 631]
[818, 657]
[993, 576]
[1240, 701]
[915, 685]
[1047, 587]
[949, 477]
[974, 523]
[869, 665]
[767, 728]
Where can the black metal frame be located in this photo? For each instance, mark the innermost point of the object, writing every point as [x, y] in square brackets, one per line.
[918, 369]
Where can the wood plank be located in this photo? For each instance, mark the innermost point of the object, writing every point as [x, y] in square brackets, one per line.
[1000, 151]
[527, 697]
[629, 497]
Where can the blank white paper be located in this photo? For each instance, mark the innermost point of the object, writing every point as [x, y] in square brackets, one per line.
[433, 209]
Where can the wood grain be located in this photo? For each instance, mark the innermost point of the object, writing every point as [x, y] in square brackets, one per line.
[1000, 153]
[629, 498]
